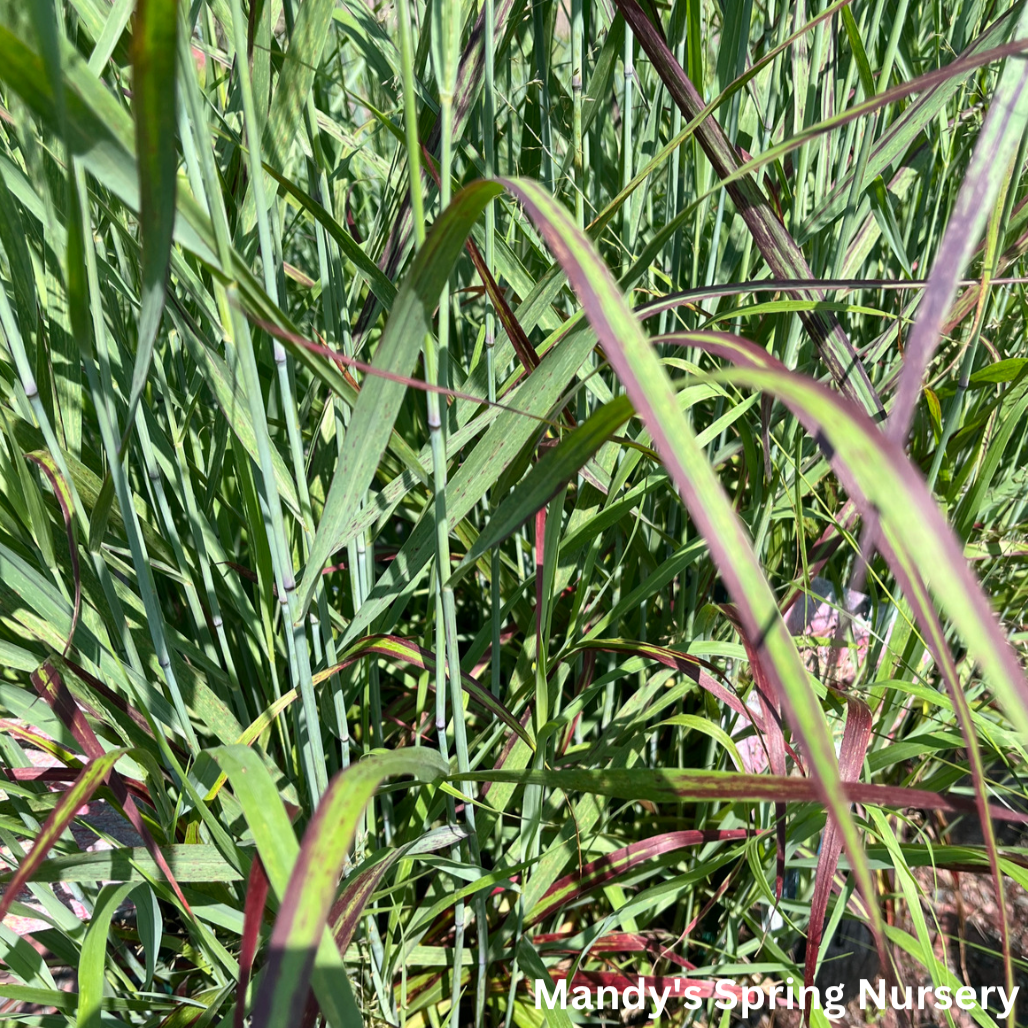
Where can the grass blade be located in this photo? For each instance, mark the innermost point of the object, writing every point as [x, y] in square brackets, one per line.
[778, 248]
[997, 144]
[154, 105]
[380, 398]
[307, 900]
[650, 391]
[91, 778]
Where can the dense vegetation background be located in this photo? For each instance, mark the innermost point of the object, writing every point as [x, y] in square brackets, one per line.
[415, 422]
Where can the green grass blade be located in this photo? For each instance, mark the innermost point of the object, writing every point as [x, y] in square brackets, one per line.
[649, 389]
[312, 884]
[154, 105]
[380, 398]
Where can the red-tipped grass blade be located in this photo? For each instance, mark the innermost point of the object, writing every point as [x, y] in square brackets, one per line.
[304, 911]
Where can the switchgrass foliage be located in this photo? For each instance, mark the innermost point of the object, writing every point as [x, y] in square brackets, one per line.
[416, 421]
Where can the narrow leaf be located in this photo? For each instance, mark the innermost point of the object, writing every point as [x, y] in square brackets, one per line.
[305, 907]
[154, 108]
[91, 778]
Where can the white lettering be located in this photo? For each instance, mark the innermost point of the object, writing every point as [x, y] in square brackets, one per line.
[752, 999]
[834, 1009]
[866, 993]
[727, 995]
[637, 1004]
[965, 998]
[659, 1000]
[560, 994]
[693, 999]
[805, 992]
[582, 999]
[908, 998]
[726, 998]
[1007, 1001]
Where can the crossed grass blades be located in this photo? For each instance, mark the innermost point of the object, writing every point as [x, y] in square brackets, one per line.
[416, 421]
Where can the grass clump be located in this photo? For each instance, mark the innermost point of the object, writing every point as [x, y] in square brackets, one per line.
[500, 492]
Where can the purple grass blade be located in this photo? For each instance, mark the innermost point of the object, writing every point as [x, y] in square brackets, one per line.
[997, 144]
